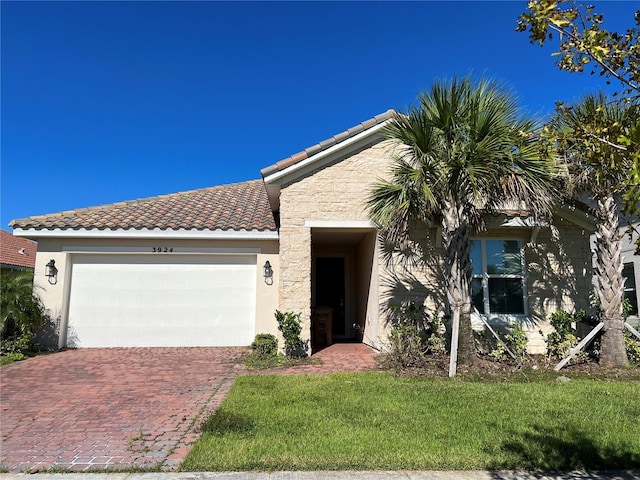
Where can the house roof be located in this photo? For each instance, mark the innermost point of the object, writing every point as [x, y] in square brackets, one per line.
[234, 207]
[16, 251]
[325, 144]
[319, 155]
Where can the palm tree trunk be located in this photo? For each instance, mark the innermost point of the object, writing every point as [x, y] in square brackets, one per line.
[610, 285]
[458, 278]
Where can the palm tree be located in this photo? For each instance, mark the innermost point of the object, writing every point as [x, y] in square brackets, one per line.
[21, 310]
[599, 139]
[463, 151]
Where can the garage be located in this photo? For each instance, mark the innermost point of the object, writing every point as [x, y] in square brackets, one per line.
[161, 300]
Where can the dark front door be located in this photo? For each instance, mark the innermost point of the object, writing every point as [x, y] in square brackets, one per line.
[330, 291]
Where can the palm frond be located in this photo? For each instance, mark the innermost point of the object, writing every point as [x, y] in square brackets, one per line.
[469, 143]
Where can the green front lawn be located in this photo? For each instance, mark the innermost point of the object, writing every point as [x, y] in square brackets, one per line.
[378, 421]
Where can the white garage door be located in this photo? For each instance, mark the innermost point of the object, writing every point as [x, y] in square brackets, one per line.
[162, 300]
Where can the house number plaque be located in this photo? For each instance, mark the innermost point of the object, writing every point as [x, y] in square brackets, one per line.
[162, 249]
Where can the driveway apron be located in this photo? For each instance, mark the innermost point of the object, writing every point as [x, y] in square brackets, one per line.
[110, 408]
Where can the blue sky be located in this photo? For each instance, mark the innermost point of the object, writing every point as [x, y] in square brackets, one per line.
[111, 101]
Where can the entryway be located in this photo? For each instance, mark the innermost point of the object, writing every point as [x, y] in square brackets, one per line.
[331, 293]
[344, 305]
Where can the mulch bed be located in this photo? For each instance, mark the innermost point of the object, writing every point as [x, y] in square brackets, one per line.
[491, 370]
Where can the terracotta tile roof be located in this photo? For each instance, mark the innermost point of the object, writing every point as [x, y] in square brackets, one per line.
[330, 142]
[239, 206]
[17, 251]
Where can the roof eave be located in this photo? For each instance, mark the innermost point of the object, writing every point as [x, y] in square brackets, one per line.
[299, 168]
[577, 216]
[145, 233]
[280, 174]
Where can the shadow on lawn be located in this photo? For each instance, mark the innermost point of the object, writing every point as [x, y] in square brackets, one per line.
[566, 448]
[609, 475]
[224, 422]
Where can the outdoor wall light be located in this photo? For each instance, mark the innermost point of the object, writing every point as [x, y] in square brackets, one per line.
[268, 272]
[51, 272]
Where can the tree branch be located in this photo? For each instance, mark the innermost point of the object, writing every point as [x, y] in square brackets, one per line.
[587, 51]
[603, 140]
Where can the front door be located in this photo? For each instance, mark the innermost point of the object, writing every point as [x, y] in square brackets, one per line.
[330, 291]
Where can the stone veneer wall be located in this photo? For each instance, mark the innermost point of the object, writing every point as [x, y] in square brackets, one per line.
[559, 277]
[558, 265]
[335, 193]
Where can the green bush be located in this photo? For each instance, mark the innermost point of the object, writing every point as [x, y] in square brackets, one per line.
[265, 345]
[407, 313]
[560, 342]
[633, 348]
[21, 312]
[631, 342]
[499, 353]
[17, 344]
[485, 343]
[10, 358]
[290, 326]
[435, 333]
[517, 341]
[436, 344]
[405, 348]
[430, 328]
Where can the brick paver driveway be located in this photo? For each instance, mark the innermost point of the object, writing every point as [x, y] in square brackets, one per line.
[109, 408]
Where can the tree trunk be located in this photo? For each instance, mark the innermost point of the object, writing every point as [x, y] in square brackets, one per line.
[458, 277]
[467, 346]
[610, 284]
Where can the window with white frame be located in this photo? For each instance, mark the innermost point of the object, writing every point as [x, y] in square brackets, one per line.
[630, 287]
[498, 277]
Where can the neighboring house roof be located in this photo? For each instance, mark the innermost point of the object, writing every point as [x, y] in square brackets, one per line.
[235, 207]
[16, 251]
[325, 144]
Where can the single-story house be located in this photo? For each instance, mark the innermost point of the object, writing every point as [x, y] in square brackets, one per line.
[16, 253]
[210, 267]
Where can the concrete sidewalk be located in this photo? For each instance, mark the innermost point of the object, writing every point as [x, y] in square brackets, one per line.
[329, 475]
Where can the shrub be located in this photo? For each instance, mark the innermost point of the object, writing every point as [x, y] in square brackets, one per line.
[499, 353]
[430, 328]
[517, 341]
[560, 342]
[408, 313]
[436, 344]
[21, 312]
[631, 342]
[265, 345]
[290, 326]
[405, 349]
[633, 348]
[17, 344]
[485, 343]
[414, 333]
[11, 357]
[435, 333]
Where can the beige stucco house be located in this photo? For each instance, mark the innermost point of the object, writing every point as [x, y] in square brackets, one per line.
[211, 266]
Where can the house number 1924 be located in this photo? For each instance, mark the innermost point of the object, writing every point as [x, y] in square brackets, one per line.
[162, 249]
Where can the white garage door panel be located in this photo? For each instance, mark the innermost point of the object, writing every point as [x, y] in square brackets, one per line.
[162, 301]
